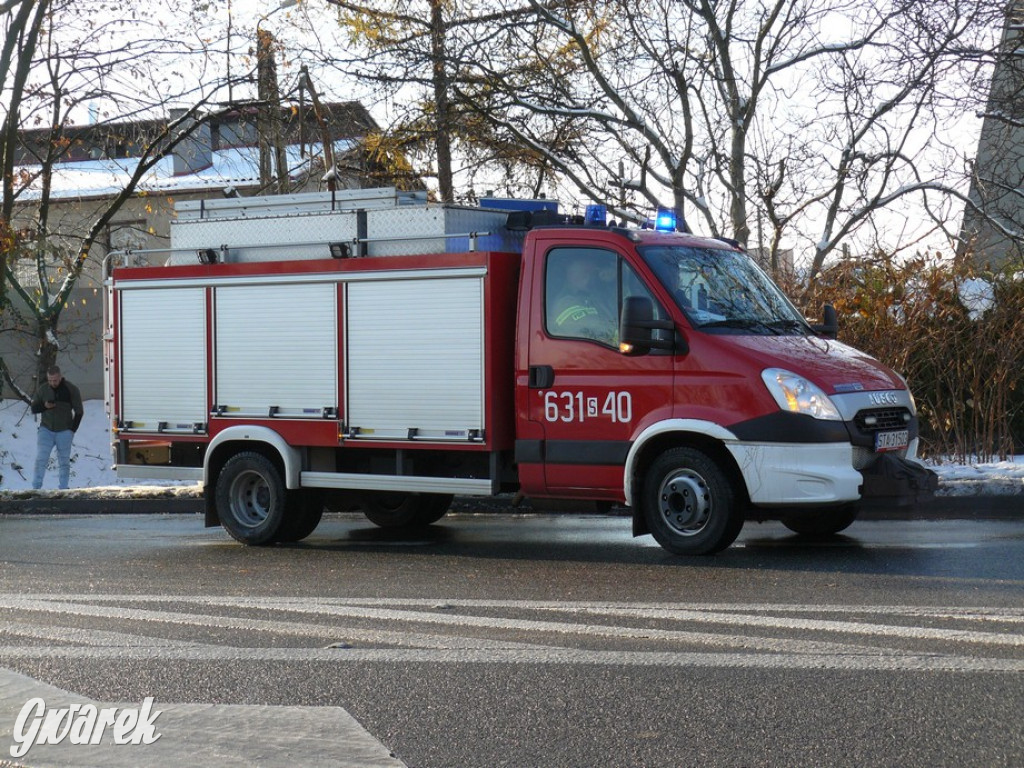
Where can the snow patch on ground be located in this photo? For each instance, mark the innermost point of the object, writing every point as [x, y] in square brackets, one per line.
[91, 473]
[92, 476]
[999, 478]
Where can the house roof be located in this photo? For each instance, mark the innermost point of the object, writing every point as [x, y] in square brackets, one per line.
[233, 166]
[237, 127]
[98, 160]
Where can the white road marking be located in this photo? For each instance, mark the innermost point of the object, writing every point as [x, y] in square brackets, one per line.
[754, 635]
[420, 640]
[1001, 614]
[852, 662]
[97, 637]
[235, 622]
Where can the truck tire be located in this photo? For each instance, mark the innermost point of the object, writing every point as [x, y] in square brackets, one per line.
[251, 498]
[822, 522]
[689, 503]
[404, 510]
[434, 507]
[305, 509]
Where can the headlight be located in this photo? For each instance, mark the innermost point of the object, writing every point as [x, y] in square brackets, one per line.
[797, 395]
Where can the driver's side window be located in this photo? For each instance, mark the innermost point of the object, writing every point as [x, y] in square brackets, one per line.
[584, 288]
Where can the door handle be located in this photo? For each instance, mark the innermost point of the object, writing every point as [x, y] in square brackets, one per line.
[541, 377]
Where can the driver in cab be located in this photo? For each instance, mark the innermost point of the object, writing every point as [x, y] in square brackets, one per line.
[586, 306]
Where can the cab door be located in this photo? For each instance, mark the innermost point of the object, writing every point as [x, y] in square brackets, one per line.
[584, 396]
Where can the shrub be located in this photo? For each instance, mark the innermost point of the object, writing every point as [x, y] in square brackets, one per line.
[955, 333]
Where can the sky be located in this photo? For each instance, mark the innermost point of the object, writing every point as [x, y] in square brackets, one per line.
[308, 33]
[91, 460]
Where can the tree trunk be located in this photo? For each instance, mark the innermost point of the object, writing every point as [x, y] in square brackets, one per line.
[738, 181]
[47, 353]
[441, 103]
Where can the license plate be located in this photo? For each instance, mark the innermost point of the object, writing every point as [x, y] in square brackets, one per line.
[891, 441]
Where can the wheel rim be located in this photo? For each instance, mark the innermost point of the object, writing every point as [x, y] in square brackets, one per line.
[684, 501]
[251, 499]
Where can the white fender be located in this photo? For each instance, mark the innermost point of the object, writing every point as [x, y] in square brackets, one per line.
[289, 455]
[698, 426]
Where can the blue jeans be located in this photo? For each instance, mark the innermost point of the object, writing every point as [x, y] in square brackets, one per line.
[48, 440]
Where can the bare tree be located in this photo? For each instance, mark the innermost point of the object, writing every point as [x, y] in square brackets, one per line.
[809, 118]
[60, 58]
[893, 139]
[413, 55]
[23, 22]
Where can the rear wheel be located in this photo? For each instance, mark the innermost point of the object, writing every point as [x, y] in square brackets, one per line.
[251, 498]
[434, 507]
[404, 510]
[689, 503]
[305, 509]
[822, 522]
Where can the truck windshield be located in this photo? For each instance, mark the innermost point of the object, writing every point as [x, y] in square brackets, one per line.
[723, 291]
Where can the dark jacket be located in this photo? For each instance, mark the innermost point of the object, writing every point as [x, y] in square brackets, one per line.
[68, 412]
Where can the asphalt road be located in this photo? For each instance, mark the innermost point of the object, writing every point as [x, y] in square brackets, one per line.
[541, 640]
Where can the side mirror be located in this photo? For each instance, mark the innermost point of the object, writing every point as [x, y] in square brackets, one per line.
[637, 326]
[830, 323]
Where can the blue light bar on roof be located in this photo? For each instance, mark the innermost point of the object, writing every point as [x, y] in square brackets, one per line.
[596, 215]
[665, 221]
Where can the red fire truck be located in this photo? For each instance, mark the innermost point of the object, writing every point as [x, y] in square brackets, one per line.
[298, 350]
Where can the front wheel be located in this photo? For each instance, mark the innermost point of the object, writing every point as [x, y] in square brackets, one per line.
[689, 503]
[251, 498]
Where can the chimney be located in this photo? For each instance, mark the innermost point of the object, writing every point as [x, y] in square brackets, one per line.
[195, 152]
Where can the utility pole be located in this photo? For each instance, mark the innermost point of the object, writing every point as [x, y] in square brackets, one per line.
[268, 123]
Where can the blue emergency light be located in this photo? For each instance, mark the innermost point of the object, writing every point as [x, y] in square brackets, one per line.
[596, 216]
[665, 220]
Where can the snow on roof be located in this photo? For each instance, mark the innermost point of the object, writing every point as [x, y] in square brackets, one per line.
[235, 166]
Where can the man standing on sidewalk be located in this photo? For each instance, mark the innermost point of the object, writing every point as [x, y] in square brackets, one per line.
[60, 403]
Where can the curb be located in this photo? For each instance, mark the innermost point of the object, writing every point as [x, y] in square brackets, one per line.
[42, 505]
[1009, 507]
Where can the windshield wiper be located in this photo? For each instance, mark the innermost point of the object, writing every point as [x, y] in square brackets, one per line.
[745, 323]
[790, 325]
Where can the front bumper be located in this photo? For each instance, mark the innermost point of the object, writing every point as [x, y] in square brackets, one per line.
[797, 474]
[823, 474]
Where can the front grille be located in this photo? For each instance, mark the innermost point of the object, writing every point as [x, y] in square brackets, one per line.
[882, 419]
[863, 457]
